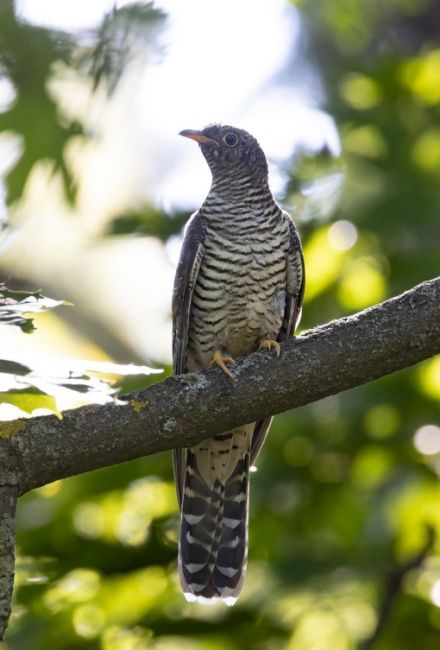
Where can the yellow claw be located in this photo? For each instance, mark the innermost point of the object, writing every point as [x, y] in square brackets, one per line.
[270, 344]
[223, 361]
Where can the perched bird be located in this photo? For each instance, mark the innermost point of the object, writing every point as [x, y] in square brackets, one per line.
[239, 287]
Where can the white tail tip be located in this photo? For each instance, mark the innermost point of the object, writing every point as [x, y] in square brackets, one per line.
[192, 598]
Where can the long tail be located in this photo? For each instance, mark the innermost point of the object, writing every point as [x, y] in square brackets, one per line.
[214, 523]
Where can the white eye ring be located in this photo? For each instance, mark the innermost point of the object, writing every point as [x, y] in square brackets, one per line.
[230, 139]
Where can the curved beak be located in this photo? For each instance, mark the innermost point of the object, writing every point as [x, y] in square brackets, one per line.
[198, 136]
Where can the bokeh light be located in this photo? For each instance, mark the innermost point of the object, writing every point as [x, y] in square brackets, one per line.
[427, 439]
[342, 235]
[435, 593]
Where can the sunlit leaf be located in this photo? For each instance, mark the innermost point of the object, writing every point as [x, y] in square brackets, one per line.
[429, 377]
[426, 150]
[29, 399]
[15, 305]
[55, 379]
[422, 76]
[88, 620]
[366, 141]
[360, 91]
[381, 421]
[126, 517]
[126, 598]
[361, 285]
[411, 510]
[319, 630]
[78, 586]
[323, 262]
[372, 465]
[116, 637]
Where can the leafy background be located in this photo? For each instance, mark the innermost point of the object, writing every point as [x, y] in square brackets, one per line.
[345, 508]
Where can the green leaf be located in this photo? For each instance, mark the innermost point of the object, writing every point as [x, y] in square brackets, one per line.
[13, 367]
[29, 399]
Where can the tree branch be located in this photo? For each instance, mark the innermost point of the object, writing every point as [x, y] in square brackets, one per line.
[8, 501]
[181, 411]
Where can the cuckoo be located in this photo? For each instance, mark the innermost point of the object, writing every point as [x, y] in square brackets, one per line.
[239, 286]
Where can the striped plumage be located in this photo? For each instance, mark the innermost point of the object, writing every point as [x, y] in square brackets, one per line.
[239, 285]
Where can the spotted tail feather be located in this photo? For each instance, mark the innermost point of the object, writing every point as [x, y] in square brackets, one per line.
[214, 532]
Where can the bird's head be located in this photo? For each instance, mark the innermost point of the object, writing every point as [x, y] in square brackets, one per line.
[231, 153]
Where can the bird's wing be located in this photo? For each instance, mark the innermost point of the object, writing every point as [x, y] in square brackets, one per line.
[292, 313]
[295, 284]
[186, 276]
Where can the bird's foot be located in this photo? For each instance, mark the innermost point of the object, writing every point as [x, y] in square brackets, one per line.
[270, 344]
[223, 361]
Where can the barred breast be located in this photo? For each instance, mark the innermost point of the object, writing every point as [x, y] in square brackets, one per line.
[239, 294]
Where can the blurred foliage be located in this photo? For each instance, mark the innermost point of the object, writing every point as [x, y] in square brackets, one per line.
[16, 306]
[28, 387]
[16, 385]
[123, 34]
[346, 487]
[28, 55]
[149, 222]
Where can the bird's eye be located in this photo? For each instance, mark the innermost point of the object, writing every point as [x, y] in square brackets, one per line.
[230, 139]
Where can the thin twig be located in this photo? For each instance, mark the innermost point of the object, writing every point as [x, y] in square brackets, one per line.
[393, 587]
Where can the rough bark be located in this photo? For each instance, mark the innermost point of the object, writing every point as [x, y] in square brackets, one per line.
[183, 410]
[8, 501]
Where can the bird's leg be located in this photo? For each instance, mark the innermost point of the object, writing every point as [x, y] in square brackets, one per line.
[270, 344]
[223, 361]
